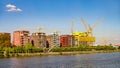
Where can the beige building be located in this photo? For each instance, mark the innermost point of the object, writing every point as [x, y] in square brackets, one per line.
[53, 40]
[38, 39]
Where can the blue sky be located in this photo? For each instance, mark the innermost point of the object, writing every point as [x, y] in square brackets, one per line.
[58, 14]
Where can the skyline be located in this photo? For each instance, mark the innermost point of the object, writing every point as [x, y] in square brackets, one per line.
[58, 14]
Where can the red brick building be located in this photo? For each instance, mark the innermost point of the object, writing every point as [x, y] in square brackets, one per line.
[66, 40]
[21, 37]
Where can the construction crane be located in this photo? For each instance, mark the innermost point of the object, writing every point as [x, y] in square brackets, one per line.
[33, 28]
[39, 29]
[52, 31]
[72, 29]
[104, 41]
[90, 28]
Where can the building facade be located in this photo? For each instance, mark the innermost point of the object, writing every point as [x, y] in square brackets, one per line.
[53, 40]
[66, 40]
[5, 39]
[21, 38]
[38, 39]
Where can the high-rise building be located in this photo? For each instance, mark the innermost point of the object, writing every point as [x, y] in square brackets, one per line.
[66, 40]
[53, 40]
[21, 37]
[5, 39]
[38, 39]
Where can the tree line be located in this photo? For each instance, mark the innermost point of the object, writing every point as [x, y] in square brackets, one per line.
[29, 48]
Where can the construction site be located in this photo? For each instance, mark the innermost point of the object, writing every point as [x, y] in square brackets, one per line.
[41, 39]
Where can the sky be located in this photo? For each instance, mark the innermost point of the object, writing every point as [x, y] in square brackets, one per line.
[58, 14]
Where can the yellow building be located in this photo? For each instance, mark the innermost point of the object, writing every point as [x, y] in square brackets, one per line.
[81, 34]
[82, 38]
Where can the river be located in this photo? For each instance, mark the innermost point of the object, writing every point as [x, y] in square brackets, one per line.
[99, 60]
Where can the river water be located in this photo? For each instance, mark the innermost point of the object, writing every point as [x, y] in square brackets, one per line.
[100, 60]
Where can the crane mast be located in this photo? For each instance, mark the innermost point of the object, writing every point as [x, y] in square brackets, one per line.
[72, 29]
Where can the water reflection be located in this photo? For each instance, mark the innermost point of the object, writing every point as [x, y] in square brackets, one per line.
[103, 60]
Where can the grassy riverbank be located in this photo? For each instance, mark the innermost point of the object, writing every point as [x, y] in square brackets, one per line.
[56, 53]
[67, 53]
[30, 50]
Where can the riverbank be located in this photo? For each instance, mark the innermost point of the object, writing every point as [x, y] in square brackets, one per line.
[55, 53]
[67, 53]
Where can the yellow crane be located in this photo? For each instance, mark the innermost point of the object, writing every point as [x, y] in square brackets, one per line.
[33, 28]
[90, 28]
[72, 29]
[39, 29]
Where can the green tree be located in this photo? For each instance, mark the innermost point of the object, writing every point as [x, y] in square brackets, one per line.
[119, 47]
[28, 48]
[5, 40]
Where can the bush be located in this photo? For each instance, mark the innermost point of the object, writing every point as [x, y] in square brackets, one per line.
[119, 47]
[35, 50]
[56, 49]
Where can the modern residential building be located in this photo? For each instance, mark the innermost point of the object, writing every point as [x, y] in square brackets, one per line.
[66, 40]
[5, 39]
[38, 39]
[53, 40]
[21, 37]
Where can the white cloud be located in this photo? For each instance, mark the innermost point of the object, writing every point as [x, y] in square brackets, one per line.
[12, 8]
